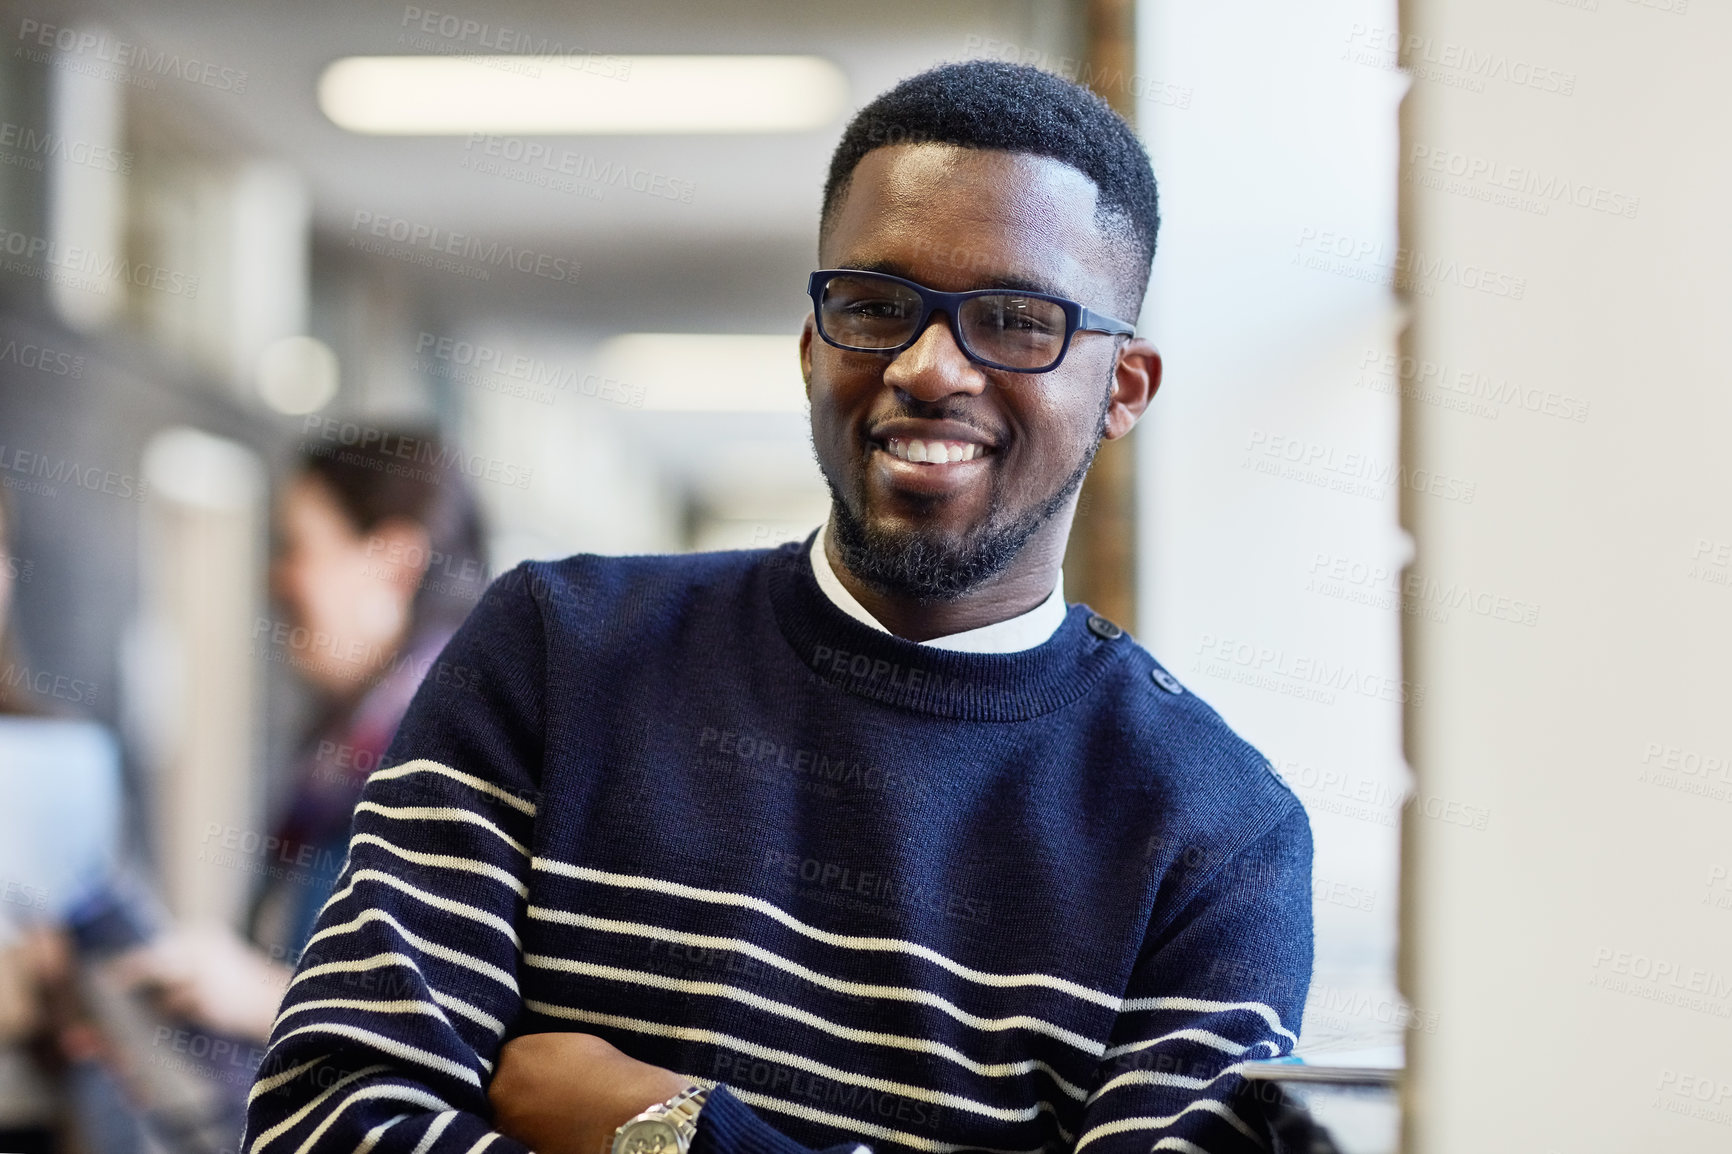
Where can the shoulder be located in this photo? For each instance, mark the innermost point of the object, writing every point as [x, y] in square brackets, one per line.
[1182, 751]
[577, 589]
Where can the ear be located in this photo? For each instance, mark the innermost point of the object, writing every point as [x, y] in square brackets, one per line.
[1136, 376]
[407, 550]
[808, 333]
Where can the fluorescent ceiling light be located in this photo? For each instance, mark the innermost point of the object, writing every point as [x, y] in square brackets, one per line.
[709, 372]
[578, 95]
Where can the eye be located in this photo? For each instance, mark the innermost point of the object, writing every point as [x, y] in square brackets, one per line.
[881, 307]
[1021, 315]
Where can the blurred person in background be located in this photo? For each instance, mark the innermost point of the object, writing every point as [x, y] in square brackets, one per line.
[59, 835]
[379, 558]
[26, 1101]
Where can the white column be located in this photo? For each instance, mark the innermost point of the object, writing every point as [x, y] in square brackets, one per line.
[1566, 233]
[191, 674]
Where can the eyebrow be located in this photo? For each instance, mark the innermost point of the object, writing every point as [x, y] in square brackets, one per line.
[1011, 282]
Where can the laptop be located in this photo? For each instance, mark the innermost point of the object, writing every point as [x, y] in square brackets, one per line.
[60, 810]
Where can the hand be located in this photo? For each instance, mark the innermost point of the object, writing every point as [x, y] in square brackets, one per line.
[27, 965]
[208, 975]
[568, 1093]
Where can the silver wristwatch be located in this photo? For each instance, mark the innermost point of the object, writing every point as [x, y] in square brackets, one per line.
[665, 1128]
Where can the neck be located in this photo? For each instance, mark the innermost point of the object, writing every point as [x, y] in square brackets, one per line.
[1028, 581]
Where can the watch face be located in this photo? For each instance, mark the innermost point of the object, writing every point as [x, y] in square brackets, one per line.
[649, 1137]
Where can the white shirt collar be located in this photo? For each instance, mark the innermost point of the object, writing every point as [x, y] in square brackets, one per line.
[1024, 631]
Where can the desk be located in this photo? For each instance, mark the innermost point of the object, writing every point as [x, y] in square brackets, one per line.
[1355, 1097]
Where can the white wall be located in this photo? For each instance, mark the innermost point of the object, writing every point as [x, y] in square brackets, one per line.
[1267, 496]
[1578, 952]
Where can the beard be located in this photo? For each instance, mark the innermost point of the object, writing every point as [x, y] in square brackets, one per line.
[925, 566]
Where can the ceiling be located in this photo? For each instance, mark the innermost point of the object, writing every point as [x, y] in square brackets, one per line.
[731, 258]
[749, 226]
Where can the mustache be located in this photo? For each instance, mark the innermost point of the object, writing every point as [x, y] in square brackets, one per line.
[937, 411]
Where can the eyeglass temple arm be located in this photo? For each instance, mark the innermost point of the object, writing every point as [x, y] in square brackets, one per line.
[1101, 323]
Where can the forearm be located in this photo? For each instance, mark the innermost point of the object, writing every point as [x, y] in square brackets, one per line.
[392, 1026]
[1222, 983]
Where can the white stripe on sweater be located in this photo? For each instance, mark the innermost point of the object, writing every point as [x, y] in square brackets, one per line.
[354, 966]
[390, 1046]
[365, 1146]
[858, 989]
[1159, 1078]
[388, 1090]
[1202, 1005]
[789, 1058]
[440, 813]
[1182, 1145]
[266, 1085]
[292, 1120]
[431, 948]
[401, 1006]
[844, 941]
[463, 1009]
[443, 861]
[424, 765]
[805, 1017]
[433, 1132]
[461, 909]
[1107, 1129]
[1204, 1037]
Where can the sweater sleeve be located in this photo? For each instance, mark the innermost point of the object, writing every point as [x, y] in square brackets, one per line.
[1221, 983]
[391, 1027]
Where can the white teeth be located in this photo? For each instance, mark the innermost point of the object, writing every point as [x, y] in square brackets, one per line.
[932, 452]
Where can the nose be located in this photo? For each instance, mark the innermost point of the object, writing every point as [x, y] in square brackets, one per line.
[934, 367]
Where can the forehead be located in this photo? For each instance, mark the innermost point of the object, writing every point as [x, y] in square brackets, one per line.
[958, 218]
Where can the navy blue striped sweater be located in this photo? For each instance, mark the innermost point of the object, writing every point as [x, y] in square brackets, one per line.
[872, 891]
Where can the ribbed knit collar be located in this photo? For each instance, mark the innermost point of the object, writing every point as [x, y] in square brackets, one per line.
[967, 686]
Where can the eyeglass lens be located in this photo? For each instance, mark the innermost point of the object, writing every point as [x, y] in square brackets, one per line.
[870, 312]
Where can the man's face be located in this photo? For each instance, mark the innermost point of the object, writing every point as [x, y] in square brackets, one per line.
[957, 219]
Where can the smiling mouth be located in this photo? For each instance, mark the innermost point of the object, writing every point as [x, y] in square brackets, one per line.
[925, 452]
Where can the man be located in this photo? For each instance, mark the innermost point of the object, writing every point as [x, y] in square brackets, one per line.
[870, 840]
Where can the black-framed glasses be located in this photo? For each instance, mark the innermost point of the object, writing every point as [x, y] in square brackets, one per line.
[1023, 332]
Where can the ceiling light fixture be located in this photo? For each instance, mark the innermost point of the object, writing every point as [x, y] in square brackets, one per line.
[708, 372]
[581, 95]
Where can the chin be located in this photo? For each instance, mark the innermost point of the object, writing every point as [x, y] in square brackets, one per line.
[925, 560]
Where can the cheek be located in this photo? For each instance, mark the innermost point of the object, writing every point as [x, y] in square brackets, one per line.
[1073, 407]
[327, 587]
[1047, 413]
[326, 600]
[1055, 434]
[833, 410]
[293, 581]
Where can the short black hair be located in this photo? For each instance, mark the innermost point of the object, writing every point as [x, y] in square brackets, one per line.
[990, 104]
[371, 485]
